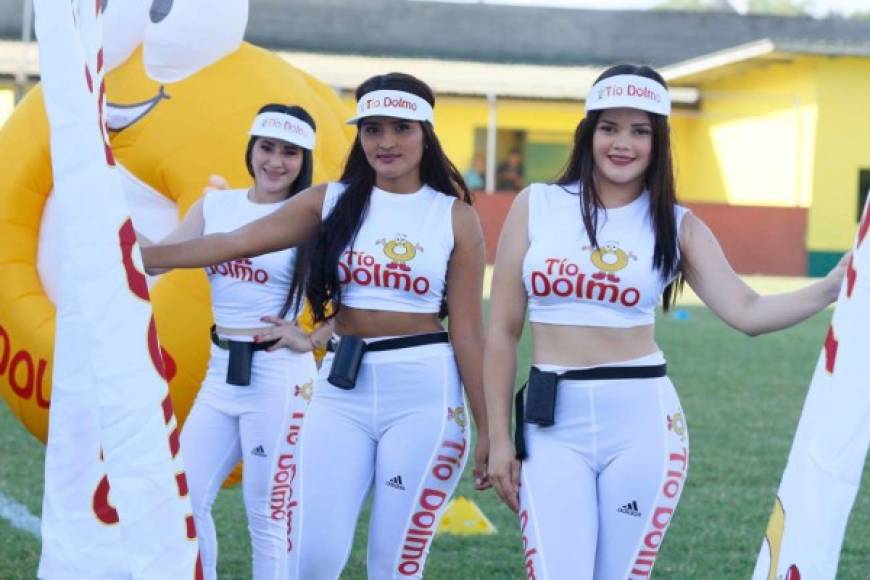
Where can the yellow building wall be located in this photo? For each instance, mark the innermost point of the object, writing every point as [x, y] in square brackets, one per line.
[842, 150]
[751, 141]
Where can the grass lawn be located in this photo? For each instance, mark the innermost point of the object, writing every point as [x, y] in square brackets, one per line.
[742, 398]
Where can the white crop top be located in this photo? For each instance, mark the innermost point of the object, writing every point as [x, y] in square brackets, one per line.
[244, 290]
[569, 282]
[399, 258]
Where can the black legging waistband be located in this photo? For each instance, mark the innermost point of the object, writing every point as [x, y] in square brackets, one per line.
[590, 374]
[400, 342]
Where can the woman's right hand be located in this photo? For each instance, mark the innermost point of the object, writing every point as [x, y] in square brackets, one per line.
[504, 472]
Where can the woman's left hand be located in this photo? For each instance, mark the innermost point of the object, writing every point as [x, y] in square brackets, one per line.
[287, 333]
[481, 458]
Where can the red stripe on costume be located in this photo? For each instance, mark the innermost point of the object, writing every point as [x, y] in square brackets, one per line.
[104, 511]
[831, 346]
[181, 482]
[160, 357]
[851, 277]
[174, 444]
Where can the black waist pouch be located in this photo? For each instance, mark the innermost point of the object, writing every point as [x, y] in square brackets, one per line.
[346, 362]
[540, 405]
[239, 367]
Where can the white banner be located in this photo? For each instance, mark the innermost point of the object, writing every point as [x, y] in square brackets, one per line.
[110, 404]
[818, 488]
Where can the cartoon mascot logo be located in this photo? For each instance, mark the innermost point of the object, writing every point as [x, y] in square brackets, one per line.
[609, 259]
[400, 251]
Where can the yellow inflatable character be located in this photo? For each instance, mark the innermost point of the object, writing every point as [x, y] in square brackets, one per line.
[180, 100]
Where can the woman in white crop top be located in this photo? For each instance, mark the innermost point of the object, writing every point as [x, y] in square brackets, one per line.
[397, 245]
[253, 418]
[601, 446]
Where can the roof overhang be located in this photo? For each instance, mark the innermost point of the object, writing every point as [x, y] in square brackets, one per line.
[696, 70]
[451, 77]
[518, 81]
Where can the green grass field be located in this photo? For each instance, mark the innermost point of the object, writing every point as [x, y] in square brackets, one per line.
[742, 399]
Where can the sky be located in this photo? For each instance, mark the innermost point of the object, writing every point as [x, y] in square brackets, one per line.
[820, 7]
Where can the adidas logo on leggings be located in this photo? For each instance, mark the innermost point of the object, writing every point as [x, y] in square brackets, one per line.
[396, 482]
[630, 509]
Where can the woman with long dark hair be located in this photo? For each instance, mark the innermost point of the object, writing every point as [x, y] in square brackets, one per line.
[397, 247]
[601, 447]
[255, 391]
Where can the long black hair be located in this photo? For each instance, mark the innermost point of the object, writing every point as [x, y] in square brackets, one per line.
[659, 180]
[338, 231]
[302, 181]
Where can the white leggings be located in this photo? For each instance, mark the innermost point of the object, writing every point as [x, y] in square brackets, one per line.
[258, 424]
[403, 428]
[598, 488]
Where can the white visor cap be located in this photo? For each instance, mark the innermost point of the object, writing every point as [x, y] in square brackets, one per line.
[399, 104]
[630, 91]
[284, 127]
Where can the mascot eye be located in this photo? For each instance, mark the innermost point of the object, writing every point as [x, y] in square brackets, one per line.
[160, 9]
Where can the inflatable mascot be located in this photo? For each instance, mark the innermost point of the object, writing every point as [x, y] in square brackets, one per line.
[182, 88]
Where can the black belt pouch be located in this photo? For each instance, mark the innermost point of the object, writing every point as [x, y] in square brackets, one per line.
[239, 368]
[346, 362]
[540, 407]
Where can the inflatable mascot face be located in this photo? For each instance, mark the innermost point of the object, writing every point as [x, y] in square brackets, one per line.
[181, 94]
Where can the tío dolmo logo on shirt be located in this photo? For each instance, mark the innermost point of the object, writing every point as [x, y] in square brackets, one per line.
[240, 270]
[364, 270]
[564, 279]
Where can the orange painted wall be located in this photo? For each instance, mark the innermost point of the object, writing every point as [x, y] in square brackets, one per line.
[756, 239]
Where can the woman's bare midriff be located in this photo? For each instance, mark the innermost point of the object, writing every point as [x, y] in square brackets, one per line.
[374, 323]
[582, 346]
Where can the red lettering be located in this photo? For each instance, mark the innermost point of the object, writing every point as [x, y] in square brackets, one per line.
[22, 389]
[566, 287]
[603, 289]
[629, 302]
[42, 401]
[540, 284]
[432, 499]
[7, 347]
[409, 568]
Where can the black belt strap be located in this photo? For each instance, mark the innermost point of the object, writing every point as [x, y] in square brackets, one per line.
[615, 373]
[591, 374]
[400, 342]
[224, 343]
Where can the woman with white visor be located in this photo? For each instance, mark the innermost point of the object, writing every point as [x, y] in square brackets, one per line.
[397, 247]
[601, 449]
[252, 401]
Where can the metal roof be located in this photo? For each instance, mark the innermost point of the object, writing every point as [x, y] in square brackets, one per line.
[515, 34]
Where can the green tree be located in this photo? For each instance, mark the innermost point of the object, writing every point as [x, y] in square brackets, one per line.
[692, 5]
[780, 7]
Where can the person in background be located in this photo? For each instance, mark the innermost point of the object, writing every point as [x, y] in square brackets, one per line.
[475, 176]
[510, 175]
